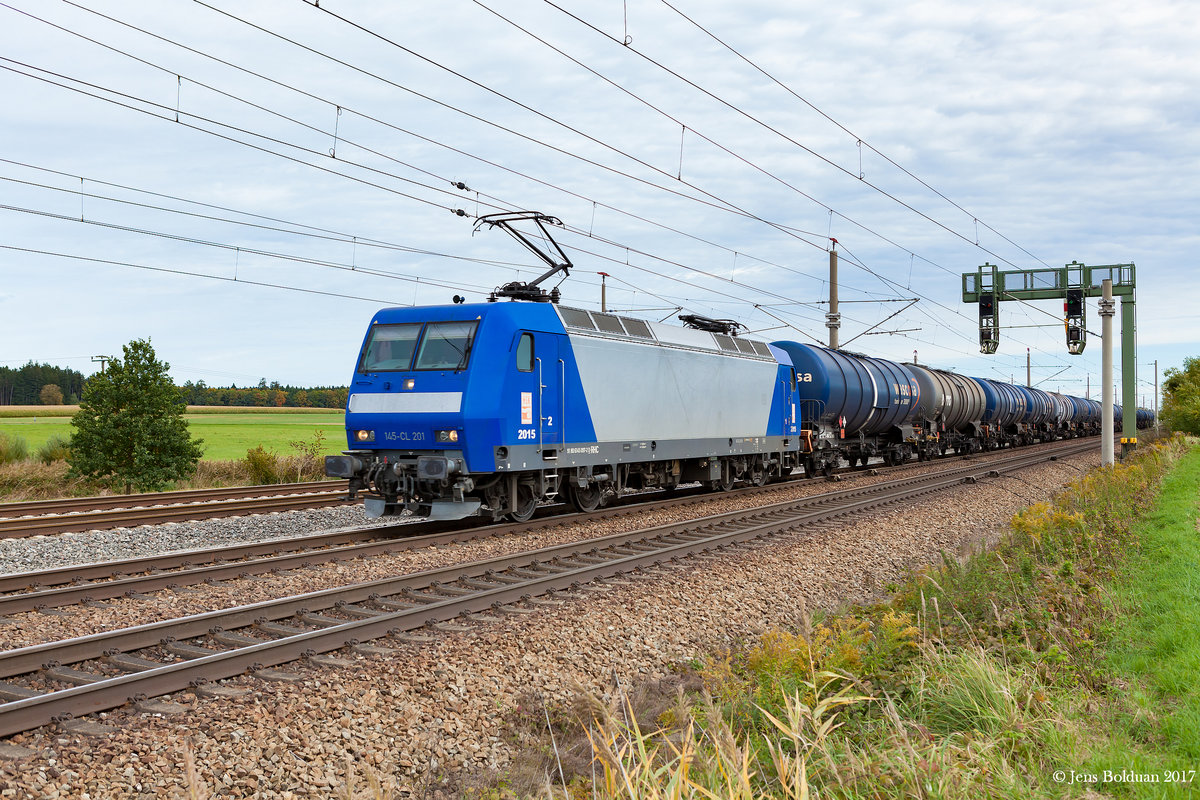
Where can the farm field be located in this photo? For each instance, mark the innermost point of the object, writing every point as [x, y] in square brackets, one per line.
[228, 432]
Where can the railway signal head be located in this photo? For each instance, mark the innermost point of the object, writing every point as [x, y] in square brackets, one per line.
[1074, 304]
[987, 304]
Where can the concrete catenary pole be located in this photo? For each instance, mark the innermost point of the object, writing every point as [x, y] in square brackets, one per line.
[1128, 375]
[1156, 398]
[833, 317]
[1107, 309]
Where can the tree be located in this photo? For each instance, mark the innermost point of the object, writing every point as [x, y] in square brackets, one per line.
[51, 395]
[1181, 397]
[130, 427]
[23, 386]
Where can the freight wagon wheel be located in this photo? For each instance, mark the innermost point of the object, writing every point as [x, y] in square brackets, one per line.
[827, 469]
[586, 499]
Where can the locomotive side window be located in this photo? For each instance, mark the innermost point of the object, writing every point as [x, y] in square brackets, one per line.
[446, 345]
[525, 353]
[390, 348]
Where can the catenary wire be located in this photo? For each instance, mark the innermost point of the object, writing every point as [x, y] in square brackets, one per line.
[849, 132]
[777, 132]
[413, 134]
[259, 107]
[275, 140]
[110, 262]
[731, 106]
[617, 245]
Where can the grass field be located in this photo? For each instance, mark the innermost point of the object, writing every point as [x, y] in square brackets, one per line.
[228, 432]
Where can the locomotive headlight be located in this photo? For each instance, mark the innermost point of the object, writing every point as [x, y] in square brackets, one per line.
[446, 437]
[364, 436]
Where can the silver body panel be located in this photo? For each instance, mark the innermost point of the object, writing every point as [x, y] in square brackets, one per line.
[639, 390]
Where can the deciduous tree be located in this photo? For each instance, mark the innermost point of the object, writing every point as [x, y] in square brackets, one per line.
[1181, 397]
[130, 427]
[51, 395]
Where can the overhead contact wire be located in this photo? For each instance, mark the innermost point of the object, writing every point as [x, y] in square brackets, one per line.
[846, 130]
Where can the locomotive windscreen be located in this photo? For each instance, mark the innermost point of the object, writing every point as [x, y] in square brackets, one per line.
[390, 348]
[446, 345]
[443, 345]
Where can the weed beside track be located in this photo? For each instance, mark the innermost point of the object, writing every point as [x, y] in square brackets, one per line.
[1058, 663]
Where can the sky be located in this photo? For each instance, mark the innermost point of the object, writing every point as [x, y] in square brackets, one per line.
[246, 183]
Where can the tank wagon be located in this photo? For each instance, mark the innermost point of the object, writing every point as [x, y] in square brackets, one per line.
[853, 406]
[461, 409]
[949, 409]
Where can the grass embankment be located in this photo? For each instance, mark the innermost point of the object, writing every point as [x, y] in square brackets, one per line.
[1061, 663]
[241, 446]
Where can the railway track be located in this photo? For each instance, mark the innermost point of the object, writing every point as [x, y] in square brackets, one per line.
[96, 582]
[85, 583]
[55, 681]
[98, 513]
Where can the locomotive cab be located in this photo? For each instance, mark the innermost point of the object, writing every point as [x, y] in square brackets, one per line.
[437, 395]
[404, 412]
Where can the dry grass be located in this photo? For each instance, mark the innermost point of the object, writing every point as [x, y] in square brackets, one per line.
[33, 480]
[977, 679]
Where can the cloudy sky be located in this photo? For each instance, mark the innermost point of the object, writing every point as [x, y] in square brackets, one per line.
[246, 183]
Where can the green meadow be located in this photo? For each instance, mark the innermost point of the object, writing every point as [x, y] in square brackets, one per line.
[228, 432]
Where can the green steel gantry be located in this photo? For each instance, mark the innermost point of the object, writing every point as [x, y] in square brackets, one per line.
[988, 287]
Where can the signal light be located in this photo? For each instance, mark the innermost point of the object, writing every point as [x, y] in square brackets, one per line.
[1074, 304]
[987, 304]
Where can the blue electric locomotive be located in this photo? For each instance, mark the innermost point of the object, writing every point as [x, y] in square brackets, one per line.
[496, 407]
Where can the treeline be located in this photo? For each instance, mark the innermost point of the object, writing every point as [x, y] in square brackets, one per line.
[27, 386]
[265, 394]
[23, 386]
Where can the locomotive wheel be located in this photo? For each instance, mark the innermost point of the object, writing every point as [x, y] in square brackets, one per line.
[758, 474]
[526, 504]
[586, 499]
[727, 477]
